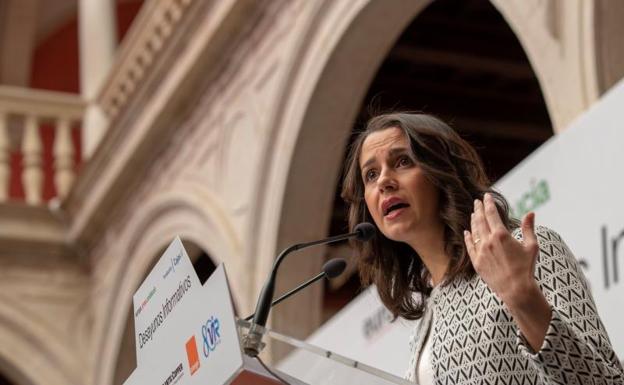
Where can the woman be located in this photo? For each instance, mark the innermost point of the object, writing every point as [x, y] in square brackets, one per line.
[500, 301]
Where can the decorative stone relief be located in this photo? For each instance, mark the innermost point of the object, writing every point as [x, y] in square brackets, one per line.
[241, 145]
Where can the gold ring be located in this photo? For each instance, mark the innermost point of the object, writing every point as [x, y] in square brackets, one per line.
[477, 241]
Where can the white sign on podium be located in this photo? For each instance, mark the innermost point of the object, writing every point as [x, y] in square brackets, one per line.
[184, 334]
[171, 283]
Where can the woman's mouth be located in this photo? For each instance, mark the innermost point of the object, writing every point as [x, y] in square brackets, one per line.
[395, 210]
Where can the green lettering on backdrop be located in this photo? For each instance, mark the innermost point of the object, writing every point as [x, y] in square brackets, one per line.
[537, 196]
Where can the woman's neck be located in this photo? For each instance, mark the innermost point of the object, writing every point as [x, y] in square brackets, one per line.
[429, 244]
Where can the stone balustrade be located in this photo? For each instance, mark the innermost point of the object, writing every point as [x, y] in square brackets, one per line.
[22, 114]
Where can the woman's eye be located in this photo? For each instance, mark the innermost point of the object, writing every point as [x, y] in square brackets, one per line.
[404, 161]
[370, 175]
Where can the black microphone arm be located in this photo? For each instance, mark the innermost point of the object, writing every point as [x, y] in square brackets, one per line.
[252, 343]
[331, 269]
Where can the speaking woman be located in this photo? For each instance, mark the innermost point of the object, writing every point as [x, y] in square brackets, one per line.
[499, 301]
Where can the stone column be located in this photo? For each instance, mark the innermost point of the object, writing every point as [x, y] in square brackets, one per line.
[98, 39]
[32, 149]
[63, 158]
[5, 157]
[18, 25]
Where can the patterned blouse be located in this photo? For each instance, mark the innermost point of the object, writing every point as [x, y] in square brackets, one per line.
[475, 340]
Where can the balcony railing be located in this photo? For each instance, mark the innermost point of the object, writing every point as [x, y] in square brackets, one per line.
[39, 143]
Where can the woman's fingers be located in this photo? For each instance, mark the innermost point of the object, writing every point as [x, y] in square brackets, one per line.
[495, 255]
[528, 233]
[470, 247]
[478, 223]
[491, 214]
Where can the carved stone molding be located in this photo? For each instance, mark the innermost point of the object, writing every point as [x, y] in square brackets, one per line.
[194, 56]
[149, 34]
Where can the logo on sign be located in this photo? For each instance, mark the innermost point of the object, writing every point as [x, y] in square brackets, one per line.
[211, 335]
[191, 353]
[174, 262]
[143, 304]
[535, 197]
[175, 375]
[374, 324]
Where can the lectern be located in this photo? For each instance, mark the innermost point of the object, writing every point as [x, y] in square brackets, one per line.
[322, 367]
[186, 333]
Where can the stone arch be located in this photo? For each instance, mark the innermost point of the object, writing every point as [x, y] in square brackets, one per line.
[337, 57]
[194, 214]
[29, 352]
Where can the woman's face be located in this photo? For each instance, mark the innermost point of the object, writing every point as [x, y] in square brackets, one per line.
[400, 198]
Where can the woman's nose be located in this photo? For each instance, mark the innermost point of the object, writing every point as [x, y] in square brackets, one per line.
[387, 181]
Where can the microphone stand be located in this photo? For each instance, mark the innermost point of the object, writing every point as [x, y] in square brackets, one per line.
[252, 343]
[293, 291]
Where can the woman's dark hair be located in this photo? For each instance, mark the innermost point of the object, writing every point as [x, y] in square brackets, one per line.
[453, 166]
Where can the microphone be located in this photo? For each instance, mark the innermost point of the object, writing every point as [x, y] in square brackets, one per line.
[365, 231]
[334, 267]
[331, 269]
[253, 340]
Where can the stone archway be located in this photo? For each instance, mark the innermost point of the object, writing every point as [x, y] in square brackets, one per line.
[190, 213]
[338, 56]
[331, 73]
[28, 356]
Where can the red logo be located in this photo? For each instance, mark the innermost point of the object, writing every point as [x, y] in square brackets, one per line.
[191, 353]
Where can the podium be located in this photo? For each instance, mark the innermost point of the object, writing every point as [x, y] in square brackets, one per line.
[322, 367]
[187, 334]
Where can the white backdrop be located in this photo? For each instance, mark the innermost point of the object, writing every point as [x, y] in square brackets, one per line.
[575, 185]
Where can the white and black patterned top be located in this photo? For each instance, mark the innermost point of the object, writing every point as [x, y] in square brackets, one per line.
[475, 340]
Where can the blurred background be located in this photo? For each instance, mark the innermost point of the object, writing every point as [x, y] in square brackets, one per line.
[226, 122]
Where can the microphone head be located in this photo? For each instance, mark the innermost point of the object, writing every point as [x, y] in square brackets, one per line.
[334, 267]
[365, 231]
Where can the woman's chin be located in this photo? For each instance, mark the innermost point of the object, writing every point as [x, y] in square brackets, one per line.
[396, 235]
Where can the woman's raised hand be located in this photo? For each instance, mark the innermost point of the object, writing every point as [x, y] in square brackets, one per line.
[505, 264]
